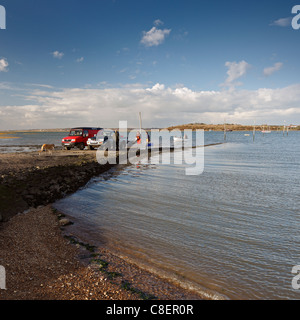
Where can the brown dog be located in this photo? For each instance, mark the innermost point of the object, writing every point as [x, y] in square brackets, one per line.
[47, 147]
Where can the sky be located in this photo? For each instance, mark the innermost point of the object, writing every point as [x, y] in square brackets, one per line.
[72, 63]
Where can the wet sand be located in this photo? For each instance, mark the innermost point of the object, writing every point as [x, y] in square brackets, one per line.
[41, 262]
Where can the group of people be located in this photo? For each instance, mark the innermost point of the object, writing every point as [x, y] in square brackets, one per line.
[138, 138]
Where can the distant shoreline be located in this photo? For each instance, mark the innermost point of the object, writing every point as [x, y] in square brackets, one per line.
[190, 126]
[34, 130]
[232, 127]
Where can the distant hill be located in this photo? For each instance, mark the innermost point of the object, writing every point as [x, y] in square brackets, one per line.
[229, 127]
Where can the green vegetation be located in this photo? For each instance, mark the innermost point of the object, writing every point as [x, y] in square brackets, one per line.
[87, 246]
[229, 126]
[126, 285]
[103, 265]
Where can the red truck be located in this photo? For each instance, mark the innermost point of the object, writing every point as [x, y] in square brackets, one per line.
[78, 137]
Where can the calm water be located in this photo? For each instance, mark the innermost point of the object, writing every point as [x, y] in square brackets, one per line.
[231, 232]
[29, 141]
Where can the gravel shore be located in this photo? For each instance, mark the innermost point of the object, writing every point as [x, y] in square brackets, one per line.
[29, 179]
[40, 261]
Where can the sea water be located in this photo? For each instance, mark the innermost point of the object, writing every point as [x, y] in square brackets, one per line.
[29, 141]
[230, 232]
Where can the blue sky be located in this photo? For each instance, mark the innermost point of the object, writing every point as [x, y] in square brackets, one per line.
[71, 62]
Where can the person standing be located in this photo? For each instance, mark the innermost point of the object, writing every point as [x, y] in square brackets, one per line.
[138, 138]
[117, 138]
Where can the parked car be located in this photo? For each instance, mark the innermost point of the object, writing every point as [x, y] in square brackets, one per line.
[78, 137]
[108, 139]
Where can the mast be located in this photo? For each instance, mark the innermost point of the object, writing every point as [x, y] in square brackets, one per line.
[140, 116]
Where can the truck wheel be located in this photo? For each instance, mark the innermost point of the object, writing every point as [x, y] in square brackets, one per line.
[81, 146]
[91, 148]
[67, 148]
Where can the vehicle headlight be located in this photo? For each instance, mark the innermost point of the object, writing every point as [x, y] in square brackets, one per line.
[73, 140]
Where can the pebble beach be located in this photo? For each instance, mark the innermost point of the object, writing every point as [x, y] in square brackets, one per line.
[42, 260]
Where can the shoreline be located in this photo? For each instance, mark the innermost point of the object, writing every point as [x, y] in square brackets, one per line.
[28, 179]
[44, 263]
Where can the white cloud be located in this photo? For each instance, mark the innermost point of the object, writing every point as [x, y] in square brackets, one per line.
[270, 70]
[57, 54]
[5, 86]
[157, 87]
[235, 71]
[282, 22]
[158, 23]
[3, 65]
[80, 59]
[160, 105]
[154, 36]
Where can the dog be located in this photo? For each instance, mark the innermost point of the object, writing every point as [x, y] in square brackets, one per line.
[47, 147]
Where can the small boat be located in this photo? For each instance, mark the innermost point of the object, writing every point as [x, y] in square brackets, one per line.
[181, 138]
[266, 131]
[246, 134]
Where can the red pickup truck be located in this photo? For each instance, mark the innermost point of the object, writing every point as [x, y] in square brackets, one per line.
[78, 137]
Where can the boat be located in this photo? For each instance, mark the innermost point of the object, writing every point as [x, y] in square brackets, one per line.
[246, 134]
[266, 131]
[181, 138]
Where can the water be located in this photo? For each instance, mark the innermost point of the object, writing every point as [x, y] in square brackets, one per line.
[231, 232]
[29, 141]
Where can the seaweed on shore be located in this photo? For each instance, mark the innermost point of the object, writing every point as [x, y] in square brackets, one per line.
[103, 266]
[87, 246]
[126, 285]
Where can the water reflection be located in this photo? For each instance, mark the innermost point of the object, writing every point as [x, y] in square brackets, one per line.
[231, 231]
